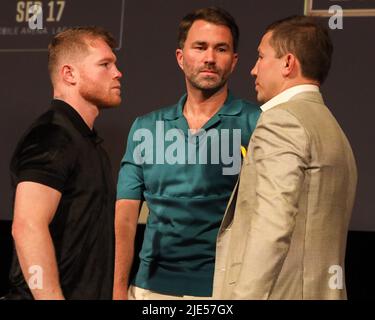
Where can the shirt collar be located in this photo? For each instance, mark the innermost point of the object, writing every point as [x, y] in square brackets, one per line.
[287, 94]
[228, 108]
[76, 119]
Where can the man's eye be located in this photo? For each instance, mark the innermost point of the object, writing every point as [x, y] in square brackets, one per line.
[222, 49]
[199, 48]
[105, 64]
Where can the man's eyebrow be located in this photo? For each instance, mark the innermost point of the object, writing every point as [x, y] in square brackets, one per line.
[108, 58]
[204, 43]
[201, 43]
[222, 44]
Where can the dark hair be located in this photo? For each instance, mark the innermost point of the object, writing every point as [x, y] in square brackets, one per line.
[308, 40]
[74, 41]
[213, 15]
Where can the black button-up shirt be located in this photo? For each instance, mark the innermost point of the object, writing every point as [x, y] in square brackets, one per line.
[60, 151]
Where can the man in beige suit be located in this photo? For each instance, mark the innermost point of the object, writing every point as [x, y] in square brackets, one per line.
[284, 233]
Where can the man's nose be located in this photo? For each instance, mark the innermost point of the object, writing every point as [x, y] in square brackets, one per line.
[118, 73]
[254, 70]
[210, 56]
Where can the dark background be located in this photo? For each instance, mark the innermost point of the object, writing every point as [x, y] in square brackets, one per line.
[152, 79]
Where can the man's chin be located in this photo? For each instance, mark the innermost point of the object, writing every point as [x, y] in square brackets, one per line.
[209, 85]
[260, 98]
[110, 105]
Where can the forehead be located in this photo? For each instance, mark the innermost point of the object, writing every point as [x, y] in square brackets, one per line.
[204, 31]
[99, 48]
[265, 42]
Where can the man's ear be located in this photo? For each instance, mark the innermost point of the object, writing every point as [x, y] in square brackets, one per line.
[235, 60]
[180, 58]
[289, 64]
[68, 74]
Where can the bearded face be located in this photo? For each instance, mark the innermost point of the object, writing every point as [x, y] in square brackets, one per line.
[99, 77]
[207, 57]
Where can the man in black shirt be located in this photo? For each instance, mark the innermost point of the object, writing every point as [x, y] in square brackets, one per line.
[63, 223]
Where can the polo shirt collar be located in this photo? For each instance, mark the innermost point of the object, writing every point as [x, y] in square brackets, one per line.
[229, 108]
[76, 119]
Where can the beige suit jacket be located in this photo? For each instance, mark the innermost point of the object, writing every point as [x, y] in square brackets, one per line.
[284, 233]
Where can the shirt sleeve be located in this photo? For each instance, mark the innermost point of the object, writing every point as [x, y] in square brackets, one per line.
[130, 184]
[45, 155]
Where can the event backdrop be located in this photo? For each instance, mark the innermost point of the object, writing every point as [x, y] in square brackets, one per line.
[146, 31]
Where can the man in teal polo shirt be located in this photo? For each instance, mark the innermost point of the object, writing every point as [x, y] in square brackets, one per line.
[184, 161]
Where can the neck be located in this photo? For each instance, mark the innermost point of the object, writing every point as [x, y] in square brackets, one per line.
[204, 103]
[85, 109]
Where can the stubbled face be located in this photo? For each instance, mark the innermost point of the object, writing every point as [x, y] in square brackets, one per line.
[207, 58]
[267, 71]
[99, 81]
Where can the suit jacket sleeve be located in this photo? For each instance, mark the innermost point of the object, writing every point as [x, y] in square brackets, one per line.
[279, 147]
